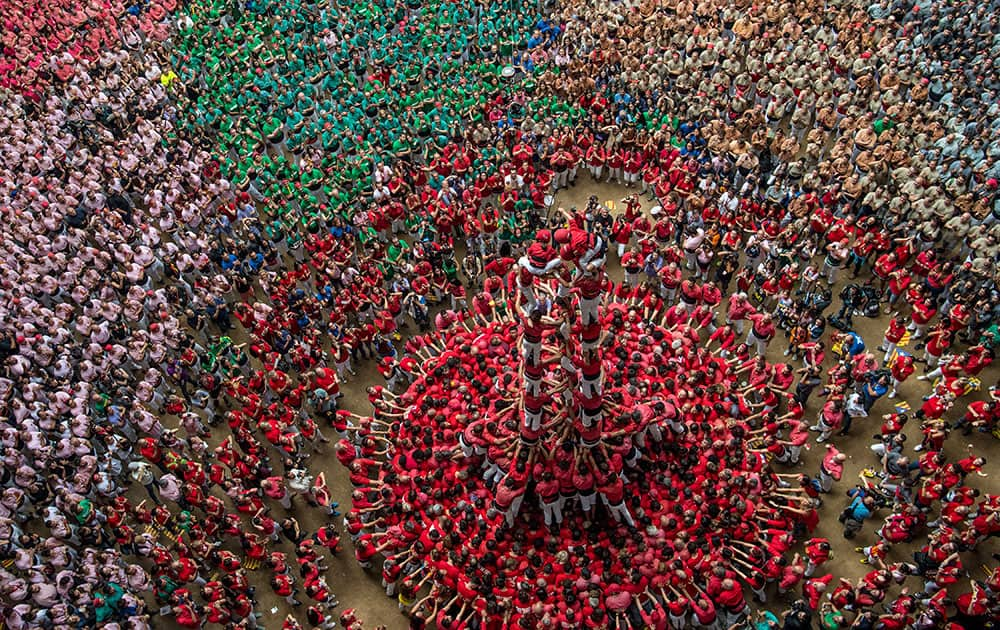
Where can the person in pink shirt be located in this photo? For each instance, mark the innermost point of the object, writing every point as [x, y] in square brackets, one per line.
[762, 331]
[831, 468]
[798, 437]
[830, 419]
[737, 312]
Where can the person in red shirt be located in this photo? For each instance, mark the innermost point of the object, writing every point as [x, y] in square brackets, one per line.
[596, 156]
[650, 175]
[632, 167]
[185, 570]
[284, 586]
[612, 492]
[761, 331]
[509, 497]
[631, 263]
[938, 341]
[738, 310]
[547, 490]
[615, 162]
[726, 337]
[186, 615]
[980, 414]
[690, 295]
[974, 603]
[893, 335]
[677, 607]
[818, 551]
[978, 358]
[901, 368]
[899, 283]
[704, 611]
[670, 280]
[923, 311]
[884, 266]
[364, 550]
[935, 406]
[830, 419]
[813, 589]
[831, 468]
[731, 601]
[621, 233]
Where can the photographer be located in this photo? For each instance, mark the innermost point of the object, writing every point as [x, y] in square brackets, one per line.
[851, 296]
[861, 507]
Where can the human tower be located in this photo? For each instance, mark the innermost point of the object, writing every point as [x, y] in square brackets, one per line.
[561, 452]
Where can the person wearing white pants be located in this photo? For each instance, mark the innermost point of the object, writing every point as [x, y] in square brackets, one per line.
[759, 344]
[791, 455]
[531, 349]
[878, 449]
[619, 511]
[890, 347]
[736, 325]
[677, 621]
[896, 330]
[761, 332]
[561, 178]
[826, 479]
[492, 473]
[590, 387]
[589, 310]
[933, 374]
[895, 384]
[513, 510]
[836, 255]
[615, 173]
[552, 511]
[824, 431]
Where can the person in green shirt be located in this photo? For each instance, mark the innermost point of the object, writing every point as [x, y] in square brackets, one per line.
[84, 511]
[766, 620]
[100, 403]
[830, 618]
[103, 610]
[397, 250]
[883, 124]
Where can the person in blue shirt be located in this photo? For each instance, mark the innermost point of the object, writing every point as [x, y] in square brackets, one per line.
[283, 341]
[817, 328]
[861, 507]
[853, 343]
[229, 261]
[384, 347]
[873, 390]
[524, 62]
[325, 295]
[253, 263]
[221, 225]
[550, 30]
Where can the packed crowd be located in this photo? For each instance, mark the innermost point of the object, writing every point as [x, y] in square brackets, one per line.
[313, 178]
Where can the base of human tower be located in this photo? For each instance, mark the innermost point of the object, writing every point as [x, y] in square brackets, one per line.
[476, 519]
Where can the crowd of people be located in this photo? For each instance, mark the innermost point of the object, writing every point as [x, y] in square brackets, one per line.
[214, 210]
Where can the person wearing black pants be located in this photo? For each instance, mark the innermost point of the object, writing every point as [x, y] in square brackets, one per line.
[809, 380]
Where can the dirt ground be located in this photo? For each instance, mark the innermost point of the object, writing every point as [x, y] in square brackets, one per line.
[362, 590]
